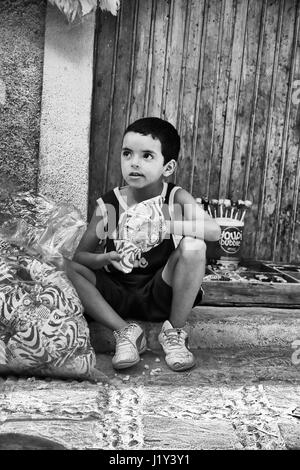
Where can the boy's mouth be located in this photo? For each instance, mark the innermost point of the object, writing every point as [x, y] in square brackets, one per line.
[135, 173]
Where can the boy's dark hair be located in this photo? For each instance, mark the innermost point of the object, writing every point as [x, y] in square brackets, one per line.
[159, 129]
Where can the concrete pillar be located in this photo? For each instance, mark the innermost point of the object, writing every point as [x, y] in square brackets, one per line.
[66, 109]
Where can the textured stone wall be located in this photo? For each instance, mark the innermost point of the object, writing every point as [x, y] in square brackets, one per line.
[22, 25]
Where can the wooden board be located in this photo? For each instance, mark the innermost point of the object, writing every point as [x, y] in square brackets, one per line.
[237, 293]
[103, 91]
[269, 294]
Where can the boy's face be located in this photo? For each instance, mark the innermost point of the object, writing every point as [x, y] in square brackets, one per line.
[142, 162]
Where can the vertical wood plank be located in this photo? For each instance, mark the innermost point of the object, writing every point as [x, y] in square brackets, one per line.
[103, 86]
[293, 146]
[242, 146]
[246, 99]
[150, 58]
[132, 61]
[210, 190]
[227, 24]
[252, 170]
[171, 90]
[233, 96]
[256, 79]
[160, 46]
[295, 237]
[174, 66]
[260, 125]
[209, 82]
[141, 66]
[188, 122]
[184, 63]
[198, 96]
[272, 155]
[119, 98]
[171, 22]
[287, 169]
[294, 247]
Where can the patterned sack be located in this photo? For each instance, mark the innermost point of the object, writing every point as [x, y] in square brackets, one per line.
[42, 328]
[141, 228]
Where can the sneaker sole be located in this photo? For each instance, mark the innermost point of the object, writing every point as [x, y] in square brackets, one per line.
[125, 365]
[143, 349]
[181, 368]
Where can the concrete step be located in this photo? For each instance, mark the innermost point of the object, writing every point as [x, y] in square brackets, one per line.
[221, 327]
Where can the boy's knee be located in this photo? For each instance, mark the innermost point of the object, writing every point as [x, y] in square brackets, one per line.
[70, 266]
[192, 249]
[72, 269]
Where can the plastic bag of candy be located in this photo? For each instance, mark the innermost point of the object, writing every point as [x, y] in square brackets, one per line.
[35, 225]
[42, 328]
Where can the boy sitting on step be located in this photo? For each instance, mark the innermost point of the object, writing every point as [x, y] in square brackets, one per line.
[161, 280]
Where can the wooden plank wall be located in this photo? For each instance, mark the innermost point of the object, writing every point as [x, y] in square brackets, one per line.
[224, 73]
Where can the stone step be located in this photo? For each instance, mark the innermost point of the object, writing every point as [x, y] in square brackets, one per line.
[231, 399]
[221, 327]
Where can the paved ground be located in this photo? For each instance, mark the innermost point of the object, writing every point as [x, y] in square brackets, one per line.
[232, 399]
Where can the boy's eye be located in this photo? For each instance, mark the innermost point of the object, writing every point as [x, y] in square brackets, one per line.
[148, 156]
[126, 153]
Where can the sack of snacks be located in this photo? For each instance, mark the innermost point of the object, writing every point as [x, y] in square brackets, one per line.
[42, 328]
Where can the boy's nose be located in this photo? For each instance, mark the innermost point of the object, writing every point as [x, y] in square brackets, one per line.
[135, 162]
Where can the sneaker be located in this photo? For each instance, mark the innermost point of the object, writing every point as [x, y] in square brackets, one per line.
[130, 343]
[174, 344]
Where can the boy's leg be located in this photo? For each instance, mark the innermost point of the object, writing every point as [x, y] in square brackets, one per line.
[84, 281]
[184, 272]
[130, 338]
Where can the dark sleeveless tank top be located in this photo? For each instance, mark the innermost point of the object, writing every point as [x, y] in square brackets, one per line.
[152, 260]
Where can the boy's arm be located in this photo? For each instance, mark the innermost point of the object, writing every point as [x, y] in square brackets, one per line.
[191, 220]
[85, 252]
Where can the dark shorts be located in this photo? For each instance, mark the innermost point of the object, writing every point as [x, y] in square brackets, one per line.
[140, 298]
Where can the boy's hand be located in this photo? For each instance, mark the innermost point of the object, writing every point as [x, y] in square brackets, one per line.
[114, 258]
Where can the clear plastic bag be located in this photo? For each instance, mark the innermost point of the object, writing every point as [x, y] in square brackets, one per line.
[37, 226]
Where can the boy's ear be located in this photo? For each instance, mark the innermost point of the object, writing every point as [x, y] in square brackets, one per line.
[170, 167]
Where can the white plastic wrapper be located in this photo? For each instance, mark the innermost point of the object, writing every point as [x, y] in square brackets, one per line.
[141, 228]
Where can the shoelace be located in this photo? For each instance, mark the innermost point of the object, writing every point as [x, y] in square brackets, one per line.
[122, 335]
[174, 338]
